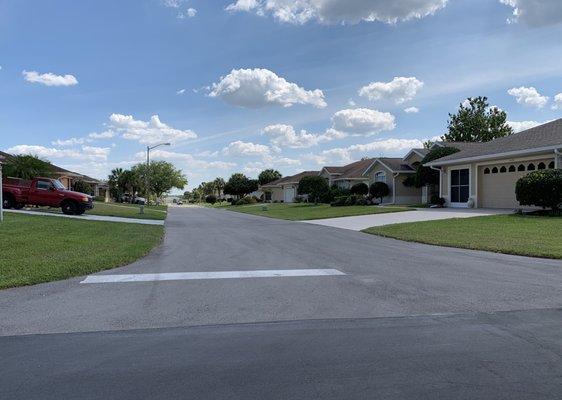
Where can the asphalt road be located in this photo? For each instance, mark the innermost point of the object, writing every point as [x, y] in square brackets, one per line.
[513, 355]
[384, 277]
[406, 321]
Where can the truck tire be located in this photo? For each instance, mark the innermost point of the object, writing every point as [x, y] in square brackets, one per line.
[69, 207]
[19, 206]
[8, 201]
[80, 211]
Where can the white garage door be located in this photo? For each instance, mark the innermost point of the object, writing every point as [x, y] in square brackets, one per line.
[496, 183]
[289, 195]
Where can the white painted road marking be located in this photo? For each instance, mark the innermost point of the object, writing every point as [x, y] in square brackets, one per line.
[186, 276]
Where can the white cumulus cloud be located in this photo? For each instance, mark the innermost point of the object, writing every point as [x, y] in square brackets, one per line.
[399, 90]
[186, 160]
[557, 102]
[147, 132]
[86, 152]
[363, 121]
[340, 11]
[535, 12]
[411, 110]
[50, 79]
[528, 96]
[519, 126]
[255, 88]
[285, 136]
[241, 149]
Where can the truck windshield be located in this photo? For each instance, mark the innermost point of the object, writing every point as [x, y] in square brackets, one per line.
[58, 185]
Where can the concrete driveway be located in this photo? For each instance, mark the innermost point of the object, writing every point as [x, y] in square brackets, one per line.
[358, 223]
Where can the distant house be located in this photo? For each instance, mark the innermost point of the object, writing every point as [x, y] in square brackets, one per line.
[100, 189]
[285, 189]
[484, 174]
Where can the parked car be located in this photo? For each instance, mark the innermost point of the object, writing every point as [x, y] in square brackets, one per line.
[17, 193]
[179, 202]
[132, 199]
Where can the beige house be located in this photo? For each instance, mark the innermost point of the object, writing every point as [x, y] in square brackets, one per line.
[484, 174]
[284, 189]
[393, 172]
[348, 175]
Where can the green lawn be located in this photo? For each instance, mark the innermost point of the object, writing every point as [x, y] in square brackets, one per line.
[37, 249]
[128, 211]
[512, 234]
[300, 212]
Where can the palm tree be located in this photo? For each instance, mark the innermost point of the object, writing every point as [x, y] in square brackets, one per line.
[113, 181]
[27, 167]
[219, 185]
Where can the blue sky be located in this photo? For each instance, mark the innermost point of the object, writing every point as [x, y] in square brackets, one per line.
[250, 84]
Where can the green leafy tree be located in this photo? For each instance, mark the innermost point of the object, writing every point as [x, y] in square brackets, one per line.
[315, 187]
[379, 190]
[27, 167]
[425, 175]
[130, 181]
[162, 177]
[268, 175]
[82, 187]
[240, 185]
[541, 188]
[477, 122]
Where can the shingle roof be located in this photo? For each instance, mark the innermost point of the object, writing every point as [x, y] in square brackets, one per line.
[546, 135]
[396, 164]
[355, 169]
[291, 179]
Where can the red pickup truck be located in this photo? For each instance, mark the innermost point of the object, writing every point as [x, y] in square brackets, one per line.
[16, 193]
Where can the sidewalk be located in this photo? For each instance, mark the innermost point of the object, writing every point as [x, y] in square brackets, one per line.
[92, 217]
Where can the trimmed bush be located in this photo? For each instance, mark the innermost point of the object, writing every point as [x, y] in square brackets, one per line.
[246, 200]
[351, 200]
[315, 187]
[379, 190]
[339, 201]
[360, 189]
[211, 199]
[541, 188]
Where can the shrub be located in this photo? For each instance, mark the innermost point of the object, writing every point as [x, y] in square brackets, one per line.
[351, 200]
[379, 190]
[360, 189]
[100, 199]
[541, 188]
[362, 201]
[211, 199]
[246, 200]
[230, 200]
[339, 201]
[315, 187]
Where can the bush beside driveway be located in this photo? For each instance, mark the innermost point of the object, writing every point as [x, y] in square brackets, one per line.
[302, 212]
[38, 249]
[536, 236]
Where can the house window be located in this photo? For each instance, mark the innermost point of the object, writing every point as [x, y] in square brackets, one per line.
[486, 171]
[512, 168]
[380, 176]
[460, 185]
[542, 166]
[503, 170]
[531, 167]
[551, 165]
[521, 167]
[495, 170]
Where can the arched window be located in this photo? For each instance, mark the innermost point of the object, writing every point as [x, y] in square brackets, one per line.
[551, 165]
[512, 168]
[486, 171]
[495, 170]
[521, 167]
[380, 176]
[542, 166]
[531, 167]
[503, 169]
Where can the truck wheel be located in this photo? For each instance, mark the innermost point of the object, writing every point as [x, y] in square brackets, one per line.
[80, 211]
[8, 201]
[69, 207]
[19, 206]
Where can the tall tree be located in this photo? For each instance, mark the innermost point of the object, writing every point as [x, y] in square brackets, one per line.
[113, 182]
[27, 167]
[162, 177]
[315, 187]
[219, 185]
[240, 185]
[477, 122]
[268, 175]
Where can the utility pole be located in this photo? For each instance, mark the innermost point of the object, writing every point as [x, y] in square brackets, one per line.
[147, 177]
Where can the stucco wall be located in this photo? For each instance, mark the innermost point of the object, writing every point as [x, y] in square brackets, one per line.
[377, 168]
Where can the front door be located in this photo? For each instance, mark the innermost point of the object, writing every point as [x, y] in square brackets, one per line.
[460, 186]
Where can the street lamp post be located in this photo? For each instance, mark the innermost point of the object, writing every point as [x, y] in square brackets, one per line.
[147, 178]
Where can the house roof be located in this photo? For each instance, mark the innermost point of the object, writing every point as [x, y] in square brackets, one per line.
[543, 137]
[354, 170]
[58, 170]
[291, 179]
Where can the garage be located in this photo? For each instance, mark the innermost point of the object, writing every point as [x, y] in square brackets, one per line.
[496, 183]
[289, 194]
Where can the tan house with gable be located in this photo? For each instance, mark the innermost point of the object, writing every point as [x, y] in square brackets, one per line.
[284, 190]
[484, 174]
